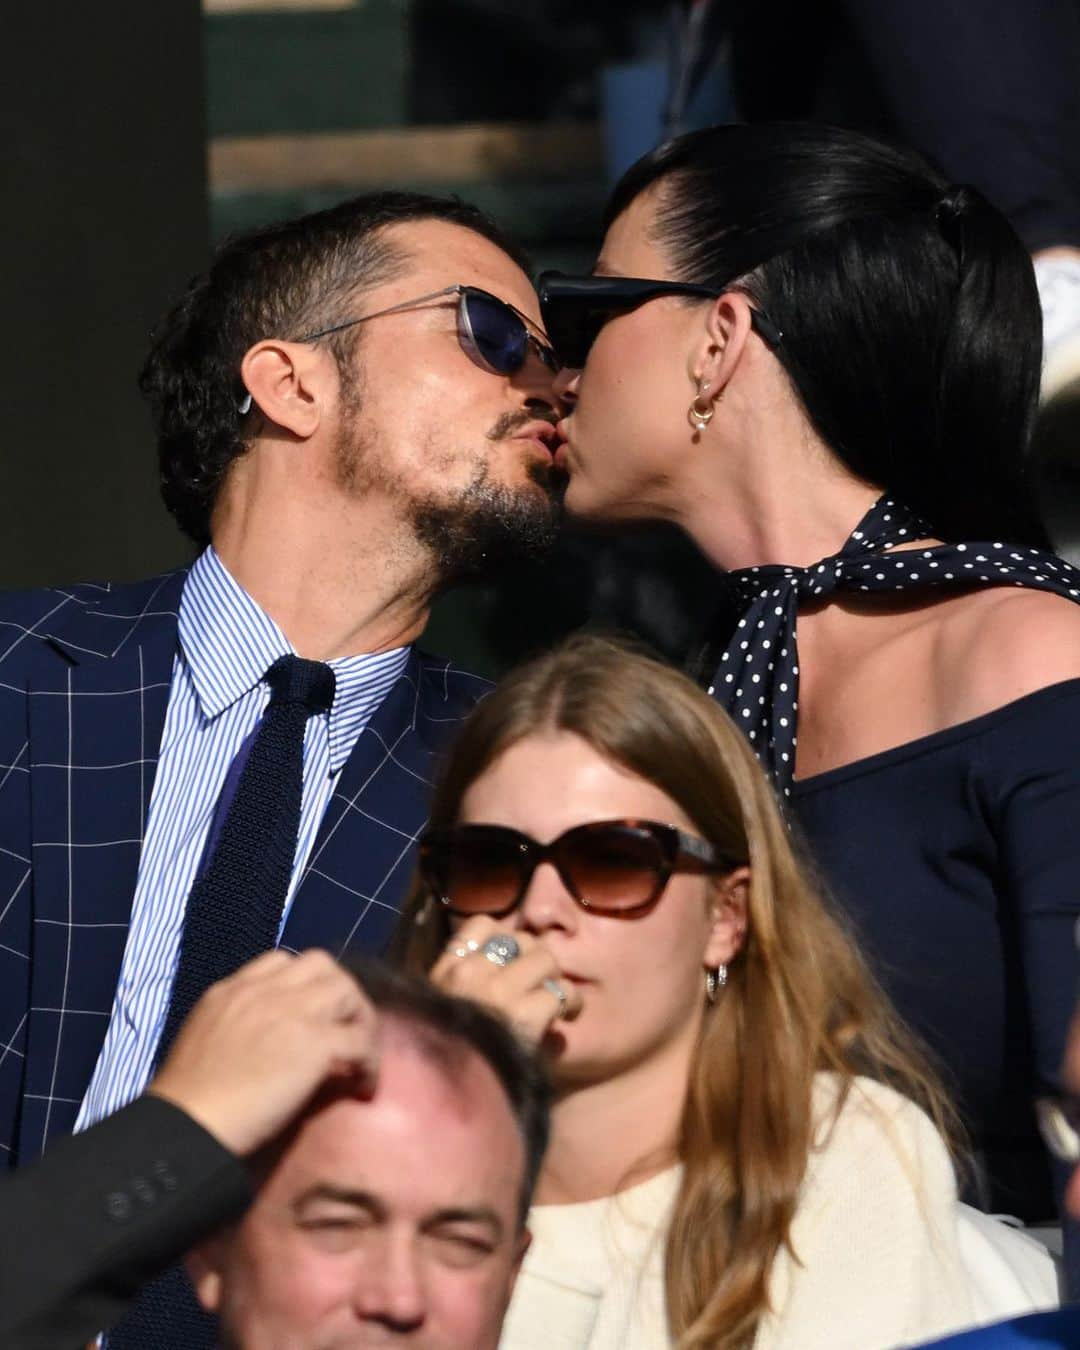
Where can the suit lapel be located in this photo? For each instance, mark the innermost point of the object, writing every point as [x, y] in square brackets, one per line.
[95, 730]
[361, 865]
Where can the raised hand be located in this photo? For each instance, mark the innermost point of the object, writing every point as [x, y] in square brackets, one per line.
[258, 1045]
[528, 990]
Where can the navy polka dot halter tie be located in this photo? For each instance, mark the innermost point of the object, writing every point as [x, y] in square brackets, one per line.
[757, 680]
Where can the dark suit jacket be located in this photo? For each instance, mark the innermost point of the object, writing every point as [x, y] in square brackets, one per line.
[84, 683]
[102, 1212]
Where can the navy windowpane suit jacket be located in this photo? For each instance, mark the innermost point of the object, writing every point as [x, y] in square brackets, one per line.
[84, 683]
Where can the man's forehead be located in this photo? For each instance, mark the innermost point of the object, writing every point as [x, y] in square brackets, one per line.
[440, 253]
[423, 1104]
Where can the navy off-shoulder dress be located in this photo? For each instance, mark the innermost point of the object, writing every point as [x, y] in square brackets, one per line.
[957, 856]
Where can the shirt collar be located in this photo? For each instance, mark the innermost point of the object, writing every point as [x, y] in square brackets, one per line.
[229, 642]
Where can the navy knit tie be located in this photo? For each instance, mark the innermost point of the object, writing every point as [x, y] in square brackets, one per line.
[233, 913]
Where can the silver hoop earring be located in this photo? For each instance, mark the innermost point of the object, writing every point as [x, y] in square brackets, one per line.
[699, 418]
[715, 980]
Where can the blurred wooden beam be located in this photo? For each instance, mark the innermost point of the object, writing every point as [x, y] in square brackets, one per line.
[362, 159]
[273, 6]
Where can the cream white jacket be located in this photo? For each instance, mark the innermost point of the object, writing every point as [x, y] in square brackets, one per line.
[887, 1255]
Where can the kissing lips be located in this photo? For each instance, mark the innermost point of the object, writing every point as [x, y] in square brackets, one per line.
[542, 434]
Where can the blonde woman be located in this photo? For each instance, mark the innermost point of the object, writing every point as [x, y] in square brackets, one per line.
[747, 1148]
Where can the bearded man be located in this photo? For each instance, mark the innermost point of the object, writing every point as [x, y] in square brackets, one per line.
[353, 409]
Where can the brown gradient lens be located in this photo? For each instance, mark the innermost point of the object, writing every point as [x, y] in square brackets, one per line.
[480, 871]
[612, 867]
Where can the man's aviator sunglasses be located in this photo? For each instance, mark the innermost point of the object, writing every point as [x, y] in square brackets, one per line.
[576, 308]
[612, 867]
[492, 333]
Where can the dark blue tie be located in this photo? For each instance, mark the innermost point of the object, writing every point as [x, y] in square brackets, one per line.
[233, 913]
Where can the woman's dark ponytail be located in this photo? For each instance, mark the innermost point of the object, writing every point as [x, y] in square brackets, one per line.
[990, 365]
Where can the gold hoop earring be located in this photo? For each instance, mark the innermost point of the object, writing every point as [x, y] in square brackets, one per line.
[699, 418]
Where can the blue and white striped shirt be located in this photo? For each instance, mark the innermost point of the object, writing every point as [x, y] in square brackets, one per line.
[226, 645]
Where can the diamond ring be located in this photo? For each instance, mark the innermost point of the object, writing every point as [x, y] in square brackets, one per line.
[501, 949]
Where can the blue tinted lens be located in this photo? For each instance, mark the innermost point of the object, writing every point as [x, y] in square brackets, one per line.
[500, 337]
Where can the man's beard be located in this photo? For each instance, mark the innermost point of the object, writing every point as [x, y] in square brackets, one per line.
[489, 523]
[486, 523]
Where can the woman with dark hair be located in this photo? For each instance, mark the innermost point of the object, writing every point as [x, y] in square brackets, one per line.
[821, 360]
[747, 1145]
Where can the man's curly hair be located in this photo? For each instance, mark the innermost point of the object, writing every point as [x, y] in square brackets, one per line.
[279, 281]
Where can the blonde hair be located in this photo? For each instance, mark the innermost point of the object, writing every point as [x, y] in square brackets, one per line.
[799, 998]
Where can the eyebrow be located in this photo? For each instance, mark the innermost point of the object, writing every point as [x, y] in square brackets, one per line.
[601, 269]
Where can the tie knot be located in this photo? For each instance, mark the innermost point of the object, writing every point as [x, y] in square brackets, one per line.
[294, 680]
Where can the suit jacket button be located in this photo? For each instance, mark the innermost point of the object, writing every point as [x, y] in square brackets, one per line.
[118, 1206]
[164, 1175]
[143, 1190]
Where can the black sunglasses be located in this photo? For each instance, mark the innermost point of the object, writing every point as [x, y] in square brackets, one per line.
[612, 867]
[576, 308]
[492, 332]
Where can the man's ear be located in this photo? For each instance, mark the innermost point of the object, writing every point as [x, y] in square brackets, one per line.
[289, 382]
[727, 328]
[204, 1265]
[730, 910]
[524, 1242]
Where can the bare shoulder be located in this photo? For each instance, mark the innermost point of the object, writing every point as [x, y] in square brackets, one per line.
[1000, 644]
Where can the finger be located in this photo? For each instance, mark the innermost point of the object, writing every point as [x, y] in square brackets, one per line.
[464, 941]
[339, 998]
[261, 966]
[353, 1052]
[535, 1015]
[313, 964]
[468, 936]
[514, 980]
[469, 940]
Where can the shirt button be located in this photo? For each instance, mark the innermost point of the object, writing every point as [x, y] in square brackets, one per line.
[118, 1206]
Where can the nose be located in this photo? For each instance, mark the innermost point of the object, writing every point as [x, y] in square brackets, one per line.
[389, 1288]
[537, 379]
[547, 904]
[566, 387]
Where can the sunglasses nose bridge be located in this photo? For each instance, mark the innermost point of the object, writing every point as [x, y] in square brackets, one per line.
[547, 894]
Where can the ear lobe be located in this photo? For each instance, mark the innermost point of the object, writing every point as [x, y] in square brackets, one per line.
[204, 1267]
[730, 916]
[288, 383]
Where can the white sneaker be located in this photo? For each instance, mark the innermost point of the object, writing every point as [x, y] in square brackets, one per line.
[1058, 280]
